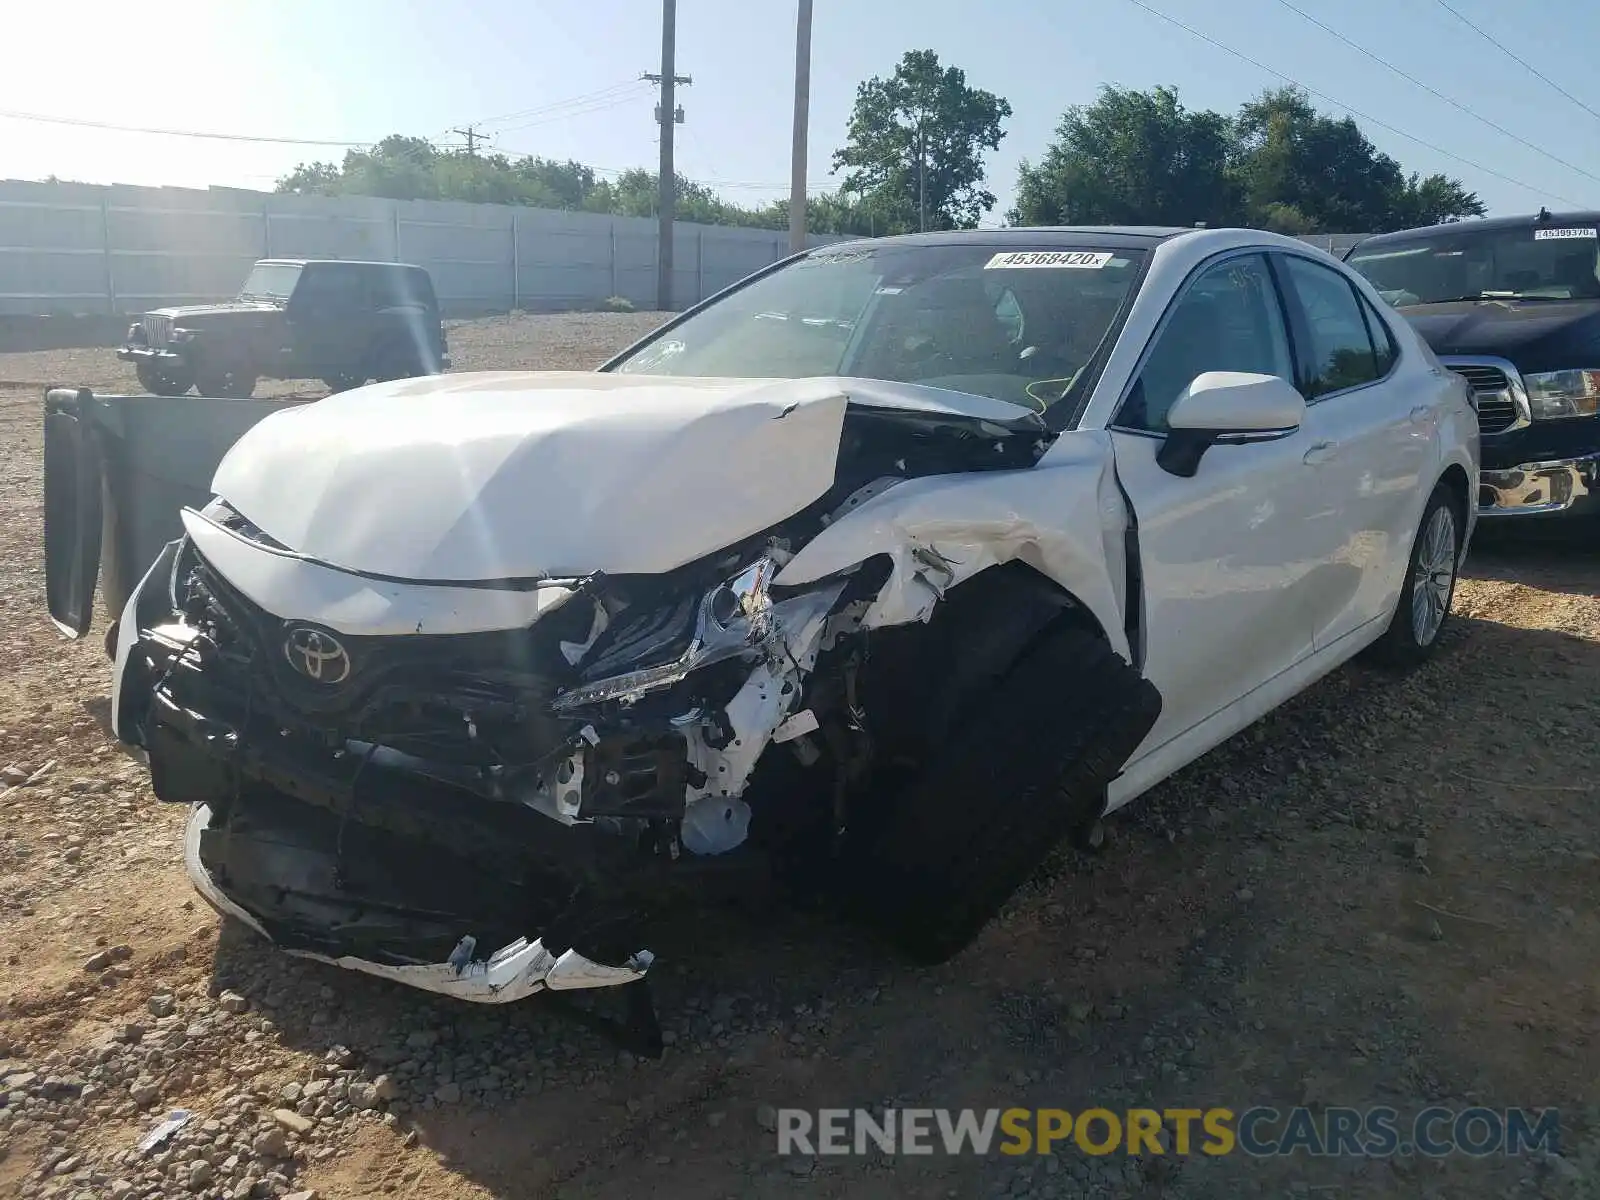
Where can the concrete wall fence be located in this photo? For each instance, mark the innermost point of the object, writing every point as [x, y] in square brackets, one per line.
[71, 249]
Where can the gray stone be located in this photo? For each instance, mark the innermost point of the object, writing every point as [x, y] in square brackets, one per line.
[447, 1093]
[293, 1121]
[233, 1002]
[270, 1143]
[162, 1004]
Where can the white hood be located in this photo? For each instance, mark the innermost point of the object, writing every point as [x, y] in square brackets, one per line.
[518, 475]
[528, 474]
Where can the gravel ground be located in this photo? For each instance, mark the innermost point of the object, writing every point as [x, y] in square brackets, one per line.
[1384, 893]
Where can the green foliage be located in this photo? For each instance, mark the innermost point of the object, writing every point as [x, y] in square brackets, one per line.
[1141, 157]
[917, 139]
[1131, 158]
[619, 304]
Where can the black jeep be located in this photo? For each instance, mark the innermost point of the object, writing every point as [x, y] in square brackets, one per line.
[1512, 304]
[341, 322]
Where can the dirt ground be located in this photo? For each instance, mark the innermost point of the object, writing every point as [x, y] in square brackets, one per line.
[1383, 894]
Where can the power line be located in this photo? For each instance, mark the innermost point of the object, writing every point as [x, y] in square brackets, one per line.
[1355, 112]
[1523, 63]
[582, 111]
[1435, 92]
[83, 123]
[586, 97]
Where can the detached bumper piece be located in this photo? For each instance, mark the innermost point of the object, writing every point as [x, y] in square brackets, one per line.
[1567, 486]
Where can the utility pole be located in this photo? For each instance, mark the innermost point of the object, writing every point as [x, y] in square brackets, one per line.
[802, 112]
[922, 174]
[473, 137]
[668, 114]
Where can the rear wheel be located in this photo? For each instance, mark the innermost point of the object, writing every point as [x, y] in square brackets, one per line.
[163, 380]
[1028, 764]
[1423, 610]
[396, 360]
[229, 384]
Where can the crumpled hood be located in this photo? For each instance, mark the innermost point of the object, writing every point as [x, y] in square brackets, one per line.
[514, 475]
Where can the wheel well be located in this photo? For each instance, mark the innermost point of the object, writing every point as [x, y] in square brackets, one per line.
[1455, 481]
[919, 677]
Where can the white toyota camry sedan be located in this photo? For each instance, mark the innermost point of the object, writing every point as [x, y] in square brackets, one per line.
[876, 575]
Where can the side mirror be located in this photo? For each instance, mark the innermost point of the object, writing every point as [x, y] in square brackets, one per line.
[1218, 403]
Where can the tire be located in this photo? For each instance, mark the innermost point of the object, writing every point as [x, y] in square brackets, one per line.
[1423, 610]
[396, 360]
[1030, 763]
[168, 382]
[231, 385]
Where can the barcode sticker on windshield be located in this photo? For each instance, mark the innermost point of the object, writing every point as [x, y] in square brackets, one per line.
[1080, 259]
[1550, 235]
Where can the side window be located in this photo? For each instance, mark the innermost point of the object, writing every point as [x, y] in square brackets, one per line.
[1383, 344]
[1228, 319]
[1340, 354]
[330, 291]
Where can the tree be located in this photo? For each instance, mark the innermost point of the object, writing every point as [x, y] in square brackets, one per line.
[915, 145]
[1437, 200]
[408, 168]
[1142, 158]
[1132, 158]
[1286, 153]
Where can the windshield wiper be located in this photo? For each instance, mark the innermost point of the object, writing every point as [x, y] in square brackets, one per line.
[1501, 296]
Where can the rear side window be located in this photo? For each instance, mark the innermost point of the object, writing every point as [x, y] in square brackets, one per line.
[1384, 348]
[1339, 351]
[330, 289]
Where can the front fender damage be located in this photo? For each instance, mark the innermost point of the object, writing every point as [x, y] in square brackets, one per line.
[1065, 518]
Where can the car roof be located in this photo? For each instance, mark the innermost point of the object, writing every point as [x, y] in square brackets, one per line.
[1129, 237]
[1545, 218]
[343, 262]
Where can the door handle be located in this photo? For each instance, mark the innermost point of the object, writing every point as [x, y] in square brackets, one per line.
[1420, 414]
[1320, 453]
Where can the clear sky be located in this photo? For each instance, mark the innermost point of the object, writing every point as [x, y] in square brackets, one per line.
[356, 70]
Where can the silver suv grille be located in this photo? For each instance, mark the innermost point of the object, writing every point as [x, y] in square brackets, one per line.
[157, 330]
[1497, 407]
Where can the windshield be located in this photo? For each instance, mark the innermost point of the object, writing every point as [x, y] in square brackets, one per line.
[1532, 263]
[270, 281]
[1017, 326]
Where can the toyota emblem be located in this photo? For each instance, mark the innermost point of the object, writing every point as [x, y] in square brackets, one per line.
[317, 655]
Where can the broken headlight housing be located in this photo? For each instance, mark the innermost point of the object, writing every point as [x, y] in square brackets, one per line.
[732, 618]
[1553, 395]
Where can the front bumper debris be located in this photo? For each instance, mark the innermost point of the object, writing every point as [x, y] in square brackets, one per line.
[1566, 486]
[513, 972]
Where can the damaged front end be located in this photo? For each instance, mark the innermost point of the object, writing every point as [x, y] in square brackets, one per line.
[494, 809]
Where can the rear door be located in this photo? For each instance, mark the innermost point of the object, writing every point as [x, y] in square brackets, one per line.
[1225, 564]
[1372, 433]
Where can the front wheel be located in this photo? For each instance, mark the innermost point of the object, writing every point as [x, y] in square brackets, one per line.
[1423, 609]
[1027, 766]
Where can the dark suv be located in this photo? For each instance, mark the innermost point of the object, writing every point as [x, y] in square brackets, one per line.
[341, 322]
[1512, 304]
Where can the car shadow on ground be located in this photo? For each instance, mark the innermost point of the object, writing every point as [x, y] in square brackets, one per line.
[1349, 902]
[1554, 558]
